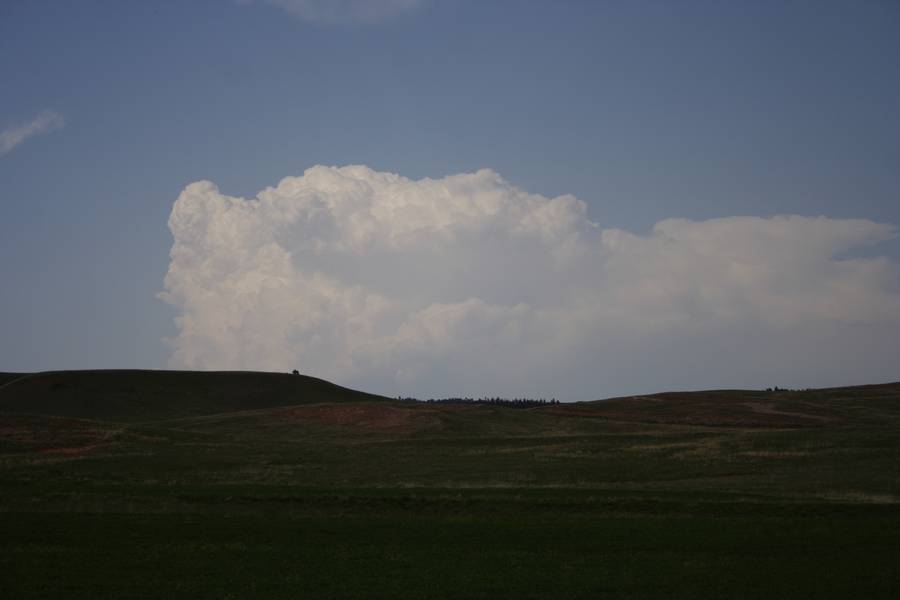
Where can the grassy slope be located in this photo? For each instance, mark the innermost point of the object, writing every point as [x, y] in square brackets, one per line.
[865, 404]
[146, 395]
[709, 494]
[8, 377]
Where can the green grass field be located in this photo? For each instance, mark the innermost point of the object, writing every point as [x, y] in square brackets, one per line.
[129, 484]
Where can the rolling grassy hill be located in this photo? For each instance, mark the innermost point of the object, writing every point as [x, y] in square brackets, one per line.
[7, 377]
[134, 484]
[140, 396]
[865, 404]
[124, 395]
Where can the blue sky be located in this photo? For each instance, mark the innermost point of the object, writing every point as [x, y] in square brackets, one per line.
[642, 110]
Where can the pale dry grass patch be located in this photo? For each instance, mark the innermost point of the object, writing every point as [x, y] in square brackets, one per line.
[774, 453]
[862, 498]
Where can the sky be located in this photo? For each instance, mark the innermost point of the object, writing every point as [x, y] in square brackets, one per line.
[447, 197]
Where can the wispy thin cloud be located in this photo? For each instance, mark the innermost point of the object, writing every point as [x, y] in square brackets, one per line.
[336, 12]
[15, 134]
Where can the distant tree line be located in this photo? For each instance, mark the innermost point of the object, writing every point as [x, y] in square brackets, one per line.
[496, 401]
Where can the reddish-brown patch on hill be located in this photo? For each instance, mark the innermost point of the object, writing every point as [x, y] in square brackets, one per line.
[767, 408]
[72, 450]
[697, 409]
[368, 417]
[50, 435]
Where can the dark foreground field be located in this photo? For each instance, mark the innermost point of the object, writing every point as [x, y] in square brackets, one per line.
[224, 485]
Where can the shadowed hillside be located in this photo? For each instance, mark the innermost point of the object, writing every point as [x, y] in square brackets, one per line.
[865, 404]
[255, 485]
[268, 400]
[148, 395]
[7, 377]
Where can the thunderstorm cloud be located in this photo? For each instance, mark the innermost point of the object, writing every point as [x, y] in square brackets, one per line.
[469, 285]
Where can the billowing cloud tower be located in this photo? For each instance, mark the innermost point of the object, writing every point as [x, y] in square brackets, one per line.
[469, 285]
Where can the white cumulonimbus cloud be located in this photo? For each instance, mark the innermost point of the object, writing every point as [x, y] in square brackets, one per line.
[334, 12]
[469, 285]
[14, 135]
